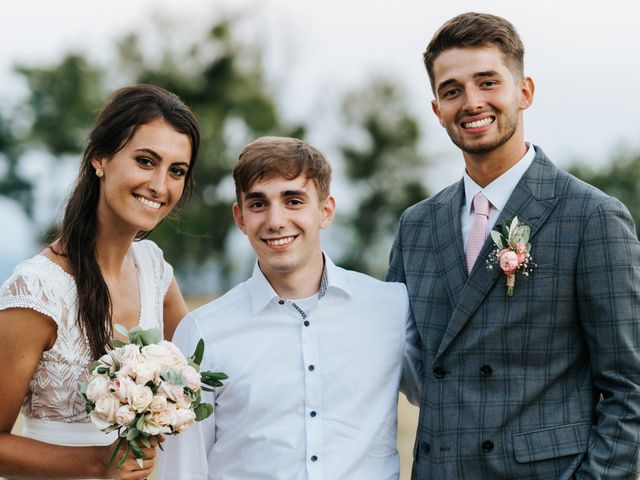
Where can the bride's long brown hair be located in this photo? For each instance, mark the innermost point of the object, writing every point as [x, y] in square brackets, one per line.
[128, 108]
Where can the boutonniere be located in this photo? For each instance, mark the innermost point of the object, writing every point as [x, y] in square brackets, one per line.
[513, 251]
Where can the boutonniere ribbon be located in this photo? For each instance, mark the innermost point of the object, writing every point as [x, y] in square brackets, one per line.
[513, 251]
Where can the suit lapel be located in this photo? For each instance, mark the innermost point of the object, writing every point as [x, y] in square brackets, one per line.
[532, 201]
[447, 242]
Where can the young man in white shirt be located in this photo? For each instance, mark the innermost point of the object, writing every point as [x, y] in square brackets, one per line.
[315, 354]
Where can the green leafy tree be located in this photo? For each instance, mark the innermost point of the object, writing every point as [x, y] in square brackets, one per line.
[619, 178]
[385, 168]
[12, 184]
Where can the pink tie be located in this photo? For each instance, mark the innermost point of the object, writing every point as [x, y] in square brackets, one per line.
[478, 233]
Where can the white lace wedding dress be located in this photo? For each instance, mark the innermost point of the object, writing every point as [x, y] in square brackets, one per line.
[54, 408]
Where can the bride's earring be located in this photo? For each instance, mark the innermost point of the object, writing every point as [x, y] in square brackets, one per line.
[99, 172]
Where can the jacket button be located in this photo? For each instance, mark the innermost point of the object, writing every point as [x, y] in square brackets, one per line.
[486, 371]
[438, 372]
[425, 447]
[487, 446]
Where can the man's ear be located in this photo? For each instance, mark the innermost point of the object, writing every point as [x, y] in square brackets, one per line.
[238, 217]
[527, 89]
[328, 212]
[436, 110]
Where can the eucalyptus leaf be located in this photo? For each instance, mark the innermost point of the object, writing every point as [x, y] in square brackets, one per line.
[213, 379]
[122, 329]
[203, 411]
[144, 337]
[132, 433]
[513, 226]
[497, 238]
[117, 343]
[199, 353]
[139, 423]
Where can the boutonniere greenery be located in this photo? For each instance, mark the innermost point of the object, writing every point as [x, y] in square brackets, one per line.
[513, 251]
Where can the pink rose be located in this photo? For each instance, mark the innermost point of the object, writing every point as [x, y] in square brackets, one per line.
[192, 377]
[521, 250]
[508, 261]
[157, 354]
[128, 357]
[121, 386]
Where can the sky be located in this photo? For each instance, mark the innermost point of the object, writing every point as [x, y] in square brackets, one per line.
[582, 56]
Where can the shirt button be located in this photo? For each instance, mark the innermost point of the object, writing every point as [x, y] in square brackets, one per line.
[486, 371]
[314, 458]
[311, 368]
[313, 413]
[487, 446]
[425, 447]
[306, 323]
[281, 302]
[438, 372]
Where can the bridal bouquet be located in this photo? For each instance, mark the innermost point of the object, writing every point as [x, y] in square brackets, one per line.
[147, 387]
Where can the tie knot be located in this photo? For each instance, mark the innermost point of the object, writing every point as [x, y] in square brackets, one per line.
[481, 204]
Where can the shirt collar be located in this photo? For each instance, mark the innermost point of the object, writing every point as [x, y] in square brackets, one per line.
[498, 191]
[262, 293]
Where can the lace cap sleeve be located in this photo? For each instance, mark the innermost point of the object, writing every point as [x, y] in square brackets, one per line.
[163, 270]
[36, 285]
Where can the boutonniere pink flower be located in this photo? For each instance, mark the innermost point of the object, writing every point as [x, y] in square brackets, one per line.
[513, 251]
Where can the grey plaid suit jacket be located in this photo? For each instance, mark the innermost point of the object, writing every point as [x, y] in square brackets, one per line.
[544, 384]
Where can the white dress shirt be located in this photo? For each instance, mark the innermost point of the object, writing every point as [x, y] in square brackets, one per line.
[497, 192]
[313, 385]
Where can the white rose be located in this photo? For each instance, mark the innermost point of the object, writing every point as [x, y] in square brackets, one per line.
[125, 416]
[157, 404]
[177, 357]
[184, 419]
[146, 371]
[128, 357]
[98, 421]
[107, 407]
[98, 387]
[121, 386]
[183, 402]
[191, 376]
[160, 422]
[172, 392]
[157, 354]
[139, 397]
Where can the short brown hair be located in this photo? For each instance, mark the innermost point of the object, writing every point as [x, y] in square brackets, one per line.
[476, 30]
[269, 157]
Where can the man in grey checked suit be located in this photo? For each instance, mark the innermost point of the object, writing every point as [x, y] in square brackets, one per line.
[543, 384]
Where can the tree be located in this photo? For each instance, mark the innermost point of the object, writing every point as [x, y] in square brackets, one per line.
[12, 184]
[385, 167]
[619, 178]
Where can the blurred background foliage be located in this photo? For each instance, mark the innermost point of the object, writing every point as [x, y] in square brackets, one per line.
[223, 80]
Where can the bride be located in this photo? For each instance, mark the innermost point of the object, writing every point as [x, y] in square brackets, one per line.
[57, 310]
